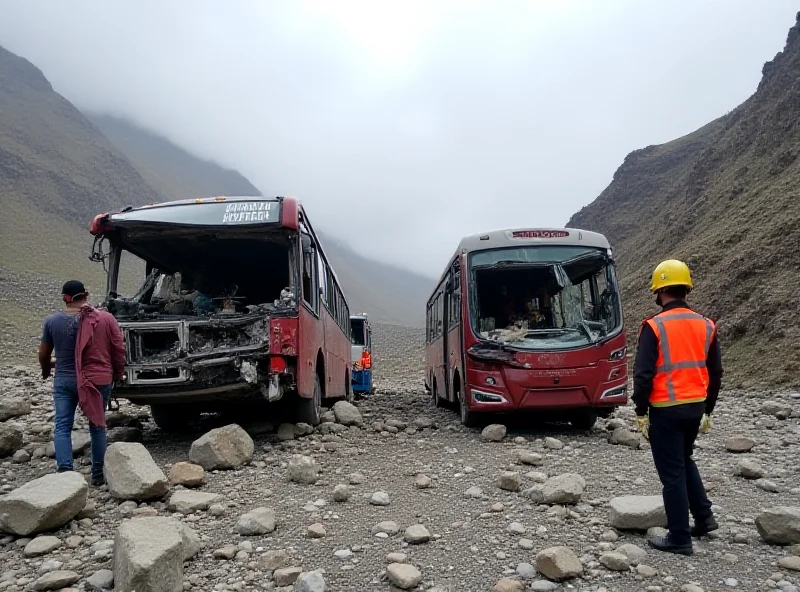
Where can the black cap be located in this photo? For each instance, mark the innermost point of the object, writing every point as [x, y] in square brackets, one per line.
[73, 288]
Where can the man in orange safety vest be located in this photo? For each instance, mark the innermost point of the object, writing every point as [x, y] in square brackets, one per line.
[677, 378]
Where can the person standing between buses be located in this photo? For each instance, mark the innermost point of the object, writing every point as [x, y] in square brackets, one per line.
[677, 378]
[90, 357]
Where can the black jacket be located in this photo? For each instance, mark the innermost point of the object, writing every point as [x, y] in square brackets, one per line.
[645, 367]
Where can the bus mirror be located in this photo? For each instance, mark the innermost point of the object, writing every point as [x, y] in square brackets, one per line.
[306, 243]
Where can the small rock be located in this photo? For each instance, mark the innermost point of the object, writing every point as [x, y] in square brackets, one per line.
[768, 486]
[646, 571]
[526, 457]
[341, 493]
[625, 437]
[526, 570]
[256, 522]
[41, 545]
[615, 561]
[187, 474]
[553, 443]
[564, 489]
[303, 470]
[558, 564]
[11, 407]
[310, 581]
[227, 447]
[637, 512]
[422, 482]
[403, 575]
[474, 492]
[779, 526]
[791, 563]
[21, 457]
[508, 585]
[357, 479]
[510, 481]
[273, 559]
[417, 534]
[186, 502]
[347, 414]
[739, 444]
[396, 558]
[379, 498]
[494, 433]
[286, 576]
[386, 527]
[101, 580]
[317, 531]
[56, 580]
[749, 469]
[227, 552]
[516, 528]
[635, 555]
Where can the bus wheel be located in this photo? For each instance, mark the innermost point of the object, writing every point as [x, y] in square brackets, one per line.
[437, 400]
[468, 418]
[308, 409]
[583, 420]
[348, 388]
[172, 418]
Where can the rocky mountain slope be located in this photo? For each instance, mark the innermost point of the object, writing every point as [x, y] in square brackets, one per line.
[389, 294]
[725, 199]
[58, 169]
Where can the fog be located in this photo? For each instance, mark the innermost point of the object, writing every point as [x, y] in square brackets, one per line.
[405, 126]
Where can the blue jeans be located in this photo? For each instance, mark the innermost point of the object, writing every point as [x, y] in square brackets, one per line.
[65, 397]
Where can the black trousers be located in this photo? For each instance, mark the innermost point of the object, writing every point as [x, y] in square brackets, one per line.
[673, 431]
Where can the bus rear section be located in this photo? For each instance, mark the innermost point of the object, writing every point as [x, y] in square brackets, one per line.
[361, 354]
[533, 323]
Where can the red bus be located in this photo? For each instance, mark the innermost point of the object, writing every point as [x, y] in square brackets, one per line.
[228, 301]
[528, 319]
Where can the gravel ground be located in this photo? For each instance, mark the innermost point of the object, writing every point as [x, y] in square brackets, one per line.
[474, 541]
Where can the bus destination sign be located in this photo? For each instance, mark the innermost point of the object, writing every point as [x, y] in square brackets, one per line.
[539, 234]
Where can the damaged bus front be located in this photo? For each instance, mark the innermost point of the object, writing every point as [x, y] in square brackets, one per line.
[533, 321]
[213, 317]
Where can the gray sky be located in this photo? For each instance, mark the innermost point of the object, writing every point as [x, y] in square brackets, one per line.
[404, 126]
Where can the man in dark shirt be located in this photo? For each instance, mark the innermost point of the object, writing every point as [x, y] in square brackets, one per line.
[60, 335]
[677, 378]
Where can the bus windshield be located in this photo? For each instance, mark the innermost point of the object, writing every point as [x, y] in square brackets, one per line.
[544, 297]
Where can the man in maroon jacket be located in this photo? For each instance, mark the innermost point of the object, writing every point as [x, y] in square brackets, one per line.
[90, 357]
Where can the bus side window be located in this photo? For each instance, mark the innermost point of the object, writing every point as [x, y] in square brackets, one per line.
[310, 292]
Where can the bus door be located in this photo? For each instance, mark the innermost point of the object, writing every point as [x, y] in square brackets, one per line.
[451, 316]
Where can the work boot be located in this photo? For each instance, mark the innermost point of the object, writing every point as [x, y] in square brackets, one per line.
[98, 481]
[664, 543]
[703, 527]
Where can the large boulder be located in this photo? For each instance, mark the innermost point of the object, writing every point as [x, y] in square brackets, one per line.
[564, 489]
[132, 474]
[558, 564]
[228, 447]
[779, 526]
[11, 407]
[148, 555]
[10, 439]
[403, 575]
[347, 414]
[43, 504]
[637, 512]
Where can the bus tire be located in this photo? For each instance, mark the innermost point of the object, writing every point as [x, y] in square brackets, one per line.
[437, 400]
[308, 408]
[348, 387]
[583, 420]
[172, 418]
[468, 418]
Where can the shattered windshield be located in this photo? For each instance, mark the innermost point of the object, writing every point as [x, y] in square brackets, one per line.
[544, 297]
[201, 274]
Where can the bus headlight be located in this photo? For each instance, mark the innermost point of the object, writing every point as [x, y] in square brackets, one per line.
[618, 354]
[484, 397]
[616, 392]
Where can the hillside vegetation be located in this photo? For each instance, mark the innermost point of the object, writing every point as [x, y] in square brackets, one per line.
[724, 199]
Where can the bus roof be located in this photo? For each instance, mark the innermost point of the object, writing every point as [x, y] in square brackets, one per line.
[204, 199]
[516, 237]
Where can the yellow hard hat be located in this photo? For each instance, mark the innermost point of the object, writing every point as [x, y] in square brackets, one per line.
[671, 273]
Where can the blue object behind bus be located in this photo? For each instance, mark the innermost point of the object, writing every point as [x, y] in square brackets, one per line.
[361, 354]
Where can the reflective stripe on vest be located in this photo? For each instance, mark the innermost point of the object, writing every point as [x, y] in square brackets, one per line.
[684, 339]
